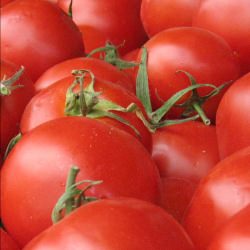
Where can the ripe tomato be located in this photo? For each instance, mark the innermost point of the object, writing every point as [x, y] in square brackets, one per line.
[232, 118]
[99, 68]
[108, 20]
[34, 173]
[115, 224]
[203, 54]
[12, 105]
[157, 15]
[231, 20]
[235, 234]
[49, 104]
[220, 195]
[43, 40]
[6, 242]
[184, 154]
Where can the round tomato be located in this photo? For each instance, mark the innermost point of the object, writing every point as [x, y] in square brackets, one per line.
[235, 234]
[233, 119]
[220, 195]
[231, 20]
[104, 21]
[115, 224]
[49, 104]
[13, 103]
[206, 56]
[7, 243]
[184, 154]
[34, 173]
[43, 39]
[99, 68]
[157, 15]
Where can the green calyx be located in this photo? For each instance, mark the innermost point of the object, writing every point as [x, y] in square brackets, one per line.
[111, 55]
[192, 107]
[73, 196]
[87, 102]
[7, 84]
[12, 144]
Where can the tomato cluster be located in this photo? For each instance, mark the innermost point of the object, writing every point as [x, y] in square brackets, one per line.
[125, 124]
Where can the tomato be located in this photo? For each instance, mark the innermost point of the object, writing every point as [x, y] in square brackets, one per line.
[115, 224]
[99, 68]
[184, 154]
[40, 161]
[231, 20]
[12, 105]
[220, 195]
[108, 20]
[232, 119]
[7, 243]
[43, 40]
[235, 234]
[203, 54]
[4, 2]
[157, 15]
[49, 104]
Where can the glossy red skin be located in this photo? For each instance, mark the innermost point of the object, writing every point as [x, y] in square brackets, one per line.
[201, 53]
[231, 20]
[49, 104]
[108, 20]
[12, 106]
[184, 154]
[99, 68]
[43, 40]
[115, 224]
[6, 242]
[235, 234]
[157, 15]
[220, 195]
[232, 118]
[39, 163]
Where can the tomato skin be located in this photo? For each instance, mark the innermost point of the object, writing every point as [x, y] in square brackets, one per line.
[157, 15]
[235, 234]
[108, 224]
[108, 20]
[49, 104]
[99, 68]
[12, 106]
[184, 154]
[232, 118]
[4, 2]
[201, 53]
[39, 163]
[231, 20]
[6, 242]
[220, 195]
[40, 47]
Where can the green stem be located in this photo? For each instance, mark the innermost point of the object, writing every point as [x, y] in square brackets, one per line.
[201, 113]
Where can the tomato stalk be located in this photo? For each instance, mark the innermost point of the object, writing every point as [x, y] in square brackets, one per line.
[86, 101]
[73, 197]
[6, 85]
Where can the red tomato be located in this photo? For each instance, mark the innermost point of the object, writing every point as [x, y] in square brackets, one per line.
[34, 173]
[235, 234]
[233, 119]
[49, 104]
[115, 224]
[43, 39]
[6, 242]
[184, 154]
[220, 195]
[4, 2]
[157, 15]
[12, 105]
[108, 20]
[99, 68]
[231, 20]
[203, 54]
